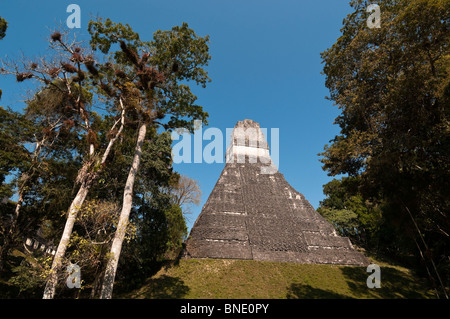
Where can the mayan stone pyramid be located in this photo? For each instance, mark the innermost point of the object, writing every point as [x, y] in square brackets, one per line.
[253, 213]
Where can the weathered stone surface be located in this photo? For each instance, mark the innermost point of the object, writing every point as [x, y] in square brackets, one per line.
[250, 215]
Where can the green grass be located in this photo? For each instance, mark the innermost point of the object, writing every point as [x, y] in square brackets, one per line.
[248, 279]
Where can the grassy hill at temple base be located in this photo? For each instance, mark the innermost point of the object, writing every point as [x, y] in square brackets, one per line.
[249, 279]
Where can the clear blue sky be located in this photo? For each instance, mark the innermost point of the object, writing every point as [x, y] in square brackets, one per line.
[265, 66]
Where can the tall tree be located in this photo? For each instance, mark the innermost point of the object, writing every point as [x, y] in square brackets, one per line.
[95, 158]
[392, 85]
[155, 72]
[73, 73]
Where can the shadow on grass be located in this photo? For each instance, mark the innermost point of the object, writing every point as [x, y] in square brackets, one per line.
[394, 284]
[163, 287]
[302, 291]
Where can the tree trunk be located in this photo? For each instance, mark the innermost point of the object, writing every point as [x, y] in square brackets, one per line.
[111, 267]
[52, 281]
[78, 201]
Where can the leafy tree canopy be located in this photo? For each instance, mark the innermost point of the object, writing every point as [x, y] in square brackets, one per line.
[392, 85]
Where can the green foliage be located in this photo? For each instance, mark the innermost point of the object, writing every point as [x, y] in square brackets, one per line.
[15, 131]
[104, 34]
[29, 276]
[181, 51]
[392, 86]
[162, 228]
[385, 80]
[344, 220]
[156, 169]
[352, 216]
[36, 152]
[156, 72]
[176, 233]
